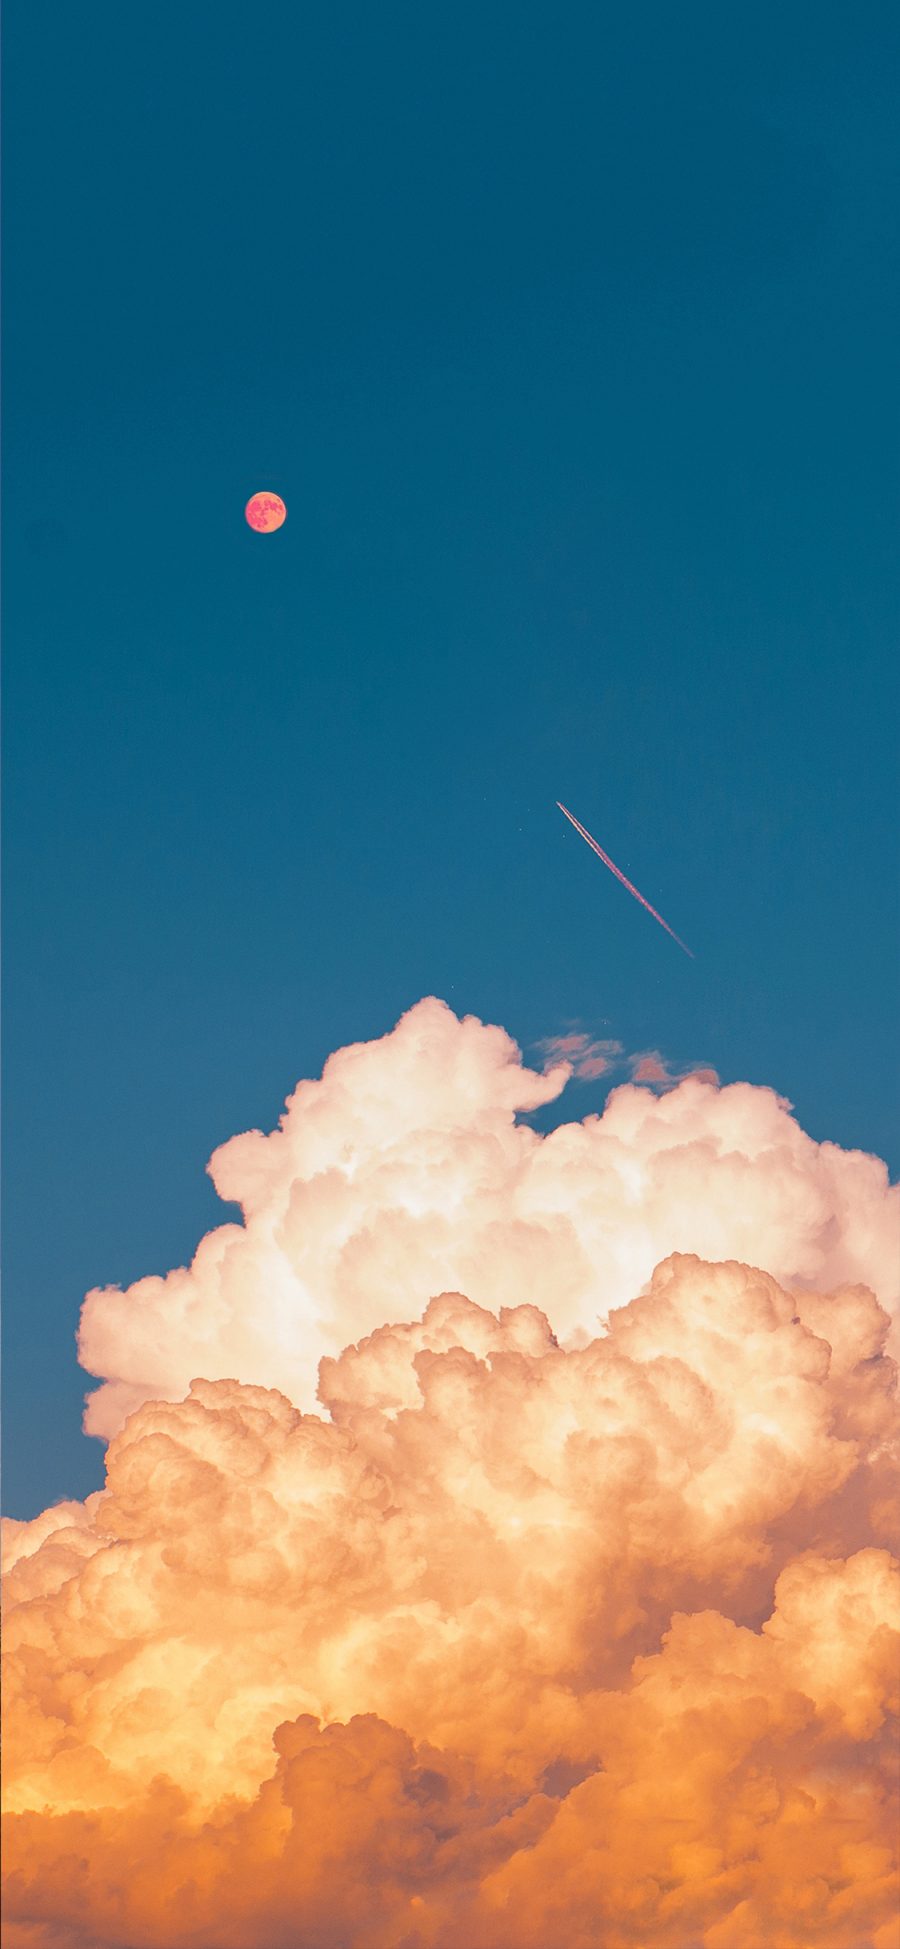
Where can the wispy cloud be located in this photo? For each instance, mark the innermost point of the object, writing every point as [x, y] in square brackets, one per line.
[652, 1069]
[587, 1058]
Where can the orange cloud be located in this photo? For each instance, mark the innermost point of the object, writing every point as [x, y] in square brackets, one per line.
[520, 1637]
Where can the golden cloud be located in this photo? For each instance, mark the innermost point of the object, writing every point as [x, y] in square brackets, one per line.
[514, 1636]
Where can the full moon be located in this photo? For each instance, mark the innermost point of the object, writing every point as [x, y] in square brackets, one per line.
[265, 512]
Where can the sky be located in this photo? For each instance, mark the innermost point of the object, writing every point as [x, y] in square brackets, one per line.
[568, 342]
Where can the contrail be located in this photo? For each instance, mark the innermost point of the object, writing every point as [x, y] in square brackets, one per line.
[620, 876]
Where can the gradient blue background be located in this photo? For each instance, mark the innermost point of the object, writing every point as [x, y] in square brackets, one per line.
[566, 335]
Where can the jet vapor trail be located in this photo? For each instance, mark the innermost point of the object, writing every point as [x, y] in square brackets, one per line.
[620, 876]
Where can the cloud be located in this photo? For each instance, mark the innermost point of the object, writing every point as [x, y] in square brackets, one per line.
[524, 1637]
[549, 1642]
[404, 1172]
[587, 1059]
[652, 1069]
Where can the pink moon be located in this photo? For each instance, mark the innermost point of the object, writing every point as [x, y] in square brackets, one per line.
[265, 512]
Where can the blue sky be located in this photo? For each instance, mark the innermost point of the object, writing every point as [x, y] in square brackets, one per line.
[567, 338]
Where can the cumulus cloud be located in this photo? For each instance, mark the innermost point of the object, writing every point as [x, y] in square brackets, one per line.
[405, 1171]
[518, 1636]
[586, 1645]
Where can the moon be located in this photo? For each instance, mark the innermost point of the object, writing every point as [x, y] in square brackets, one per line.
[265, 512]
